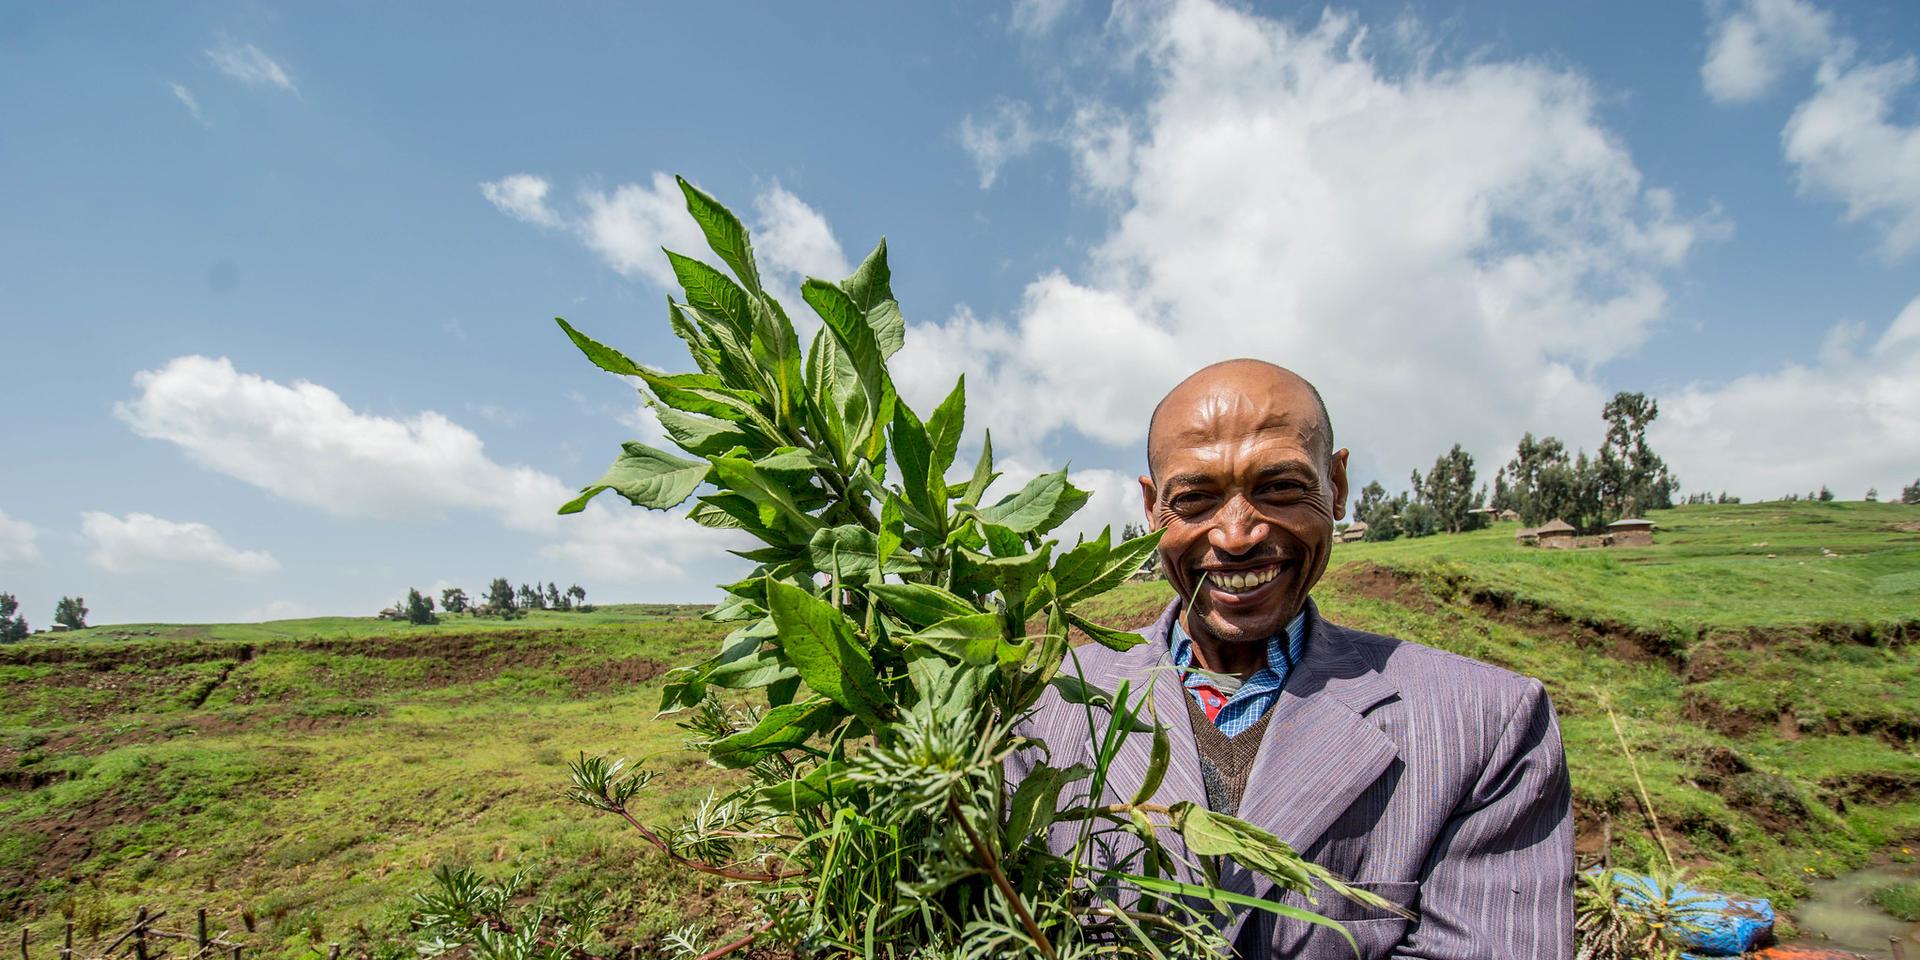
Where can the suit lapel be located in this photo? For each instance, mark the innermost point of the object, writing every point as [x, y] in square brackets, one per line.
[1320, 752]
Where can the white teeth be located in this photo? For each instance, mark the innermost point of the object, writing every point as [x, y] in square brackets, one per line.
[1247, 581]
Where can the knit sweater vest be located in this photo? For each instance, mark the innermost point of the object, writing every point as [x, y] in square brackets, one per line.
[1225, 761]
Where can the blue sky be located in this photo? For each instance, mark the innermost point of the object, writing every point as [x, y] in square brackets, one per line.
[277, 317]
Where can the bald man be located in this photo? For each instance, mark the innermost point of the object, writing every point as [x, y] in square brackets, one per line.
[1430, 779]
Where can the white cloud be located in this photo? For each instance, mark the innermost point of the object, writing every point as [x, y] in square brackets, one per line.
[141, 541]
[1007, 134]
[1850, 421]
[249, 65]
[1036, 18]
[303, 443]
[18, 540]
[186, 98]
[1395, 236]
[1844, 143]
[1755, 41]
[793, 239]
[523, 197]
[628, 226]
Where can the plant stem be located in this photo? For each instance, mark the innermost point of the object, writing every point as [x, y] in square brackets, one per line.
[765, 876]
[1000, 880]
[1645, 800]
[721, 951]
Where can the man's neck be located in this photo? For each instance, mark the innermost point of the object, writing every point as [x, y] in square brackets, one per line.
[1241, 660]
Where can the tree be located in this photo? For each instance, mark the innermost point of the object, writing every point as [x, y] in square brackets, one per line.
[531, 598]
[500, 599]
[1448, 493]
[1873, 494]
[418, 608]
[1826, 496]
[1910, 493]
[71, 612]
[554, 599]
[1633, 479]
[1378, 512]
[578, 595]
[13, 627]
[453, 600]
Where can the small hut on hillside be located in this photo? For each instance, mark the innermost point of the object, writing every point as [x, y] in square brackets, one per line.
[1555, 534]
[1630, 532]
[1527, 536]
[1509, 515]
[1354, 532]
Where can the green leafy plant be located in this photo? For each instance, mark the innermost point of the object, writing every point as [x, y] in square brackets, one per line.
[895, 631]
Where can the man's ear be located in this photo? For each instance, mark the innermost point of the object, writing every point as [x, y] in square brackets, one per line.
[1337, 470]
[1147, 499]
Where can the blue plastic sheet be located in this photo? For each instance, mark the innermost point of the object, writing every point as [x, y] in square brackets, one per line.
[1733, 925]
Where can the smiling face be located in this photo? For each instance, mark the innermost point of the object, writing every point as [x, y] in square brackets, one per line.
[1247, 490]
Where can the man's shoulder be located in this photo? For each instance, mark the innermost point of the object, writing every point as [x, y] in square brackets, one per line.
[1430, 679]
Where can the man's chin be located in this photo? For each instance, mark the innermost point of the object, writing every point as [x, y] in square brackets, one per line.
[1242, 628]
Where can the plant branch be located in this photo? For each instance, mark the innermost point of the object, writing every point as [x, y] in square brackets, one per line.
[764, 876]
[1000, 880]
[717, 952]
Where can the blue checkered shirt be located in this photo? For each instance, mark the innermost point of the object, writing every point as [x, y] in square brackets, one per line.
[1257, 695]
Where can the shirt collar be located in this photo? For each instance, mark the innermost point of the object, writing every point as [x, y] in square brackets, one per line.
[1280, 646]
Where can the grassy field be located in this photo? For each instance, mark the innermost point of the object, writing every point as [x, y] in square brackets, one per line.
[308, 774]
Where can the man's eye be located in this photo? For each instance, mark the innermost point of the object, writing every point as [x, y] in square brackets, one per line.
[1187, 501]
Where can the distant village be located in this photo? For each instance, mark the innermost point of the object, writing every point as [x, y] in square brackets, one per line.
[1555, 534]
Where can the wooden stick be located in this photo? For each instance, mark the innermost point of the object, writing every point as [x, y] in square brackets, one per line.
[200, 939]
[23, 944]
[140, 935]
[66, 950]
[1645, 800]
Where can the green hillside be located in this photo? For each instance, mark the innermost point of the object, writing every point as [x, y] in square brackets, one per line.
[308, 774]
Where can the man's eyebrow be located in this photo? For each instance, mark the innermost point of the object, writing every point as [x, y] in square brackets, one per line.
[1287, 467]
[1188, 480]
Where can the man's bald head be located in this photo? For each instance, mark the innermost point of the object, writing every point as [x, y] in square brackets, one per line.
[1287, 394]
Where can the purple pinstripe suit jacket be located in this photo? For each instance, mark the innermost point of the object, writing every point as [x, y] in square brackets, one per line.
[1433, 780]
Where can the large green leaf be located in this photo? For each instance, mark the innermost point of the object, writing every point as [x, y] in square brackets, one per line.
[871, 287]
[944, 428]
[1216, 834]
[853, 550]
[820, 642]
[725, 234]
[976, 639]
[646, 477]
[699, 345]
[1036, 507]
[1101, 569]
[1036, 802]
[783, 728]
[983, 475]
[757, 669]
[913, 451]
[1106, 636]
[710, 291]
[603, 356]
[855, 342]
[821, 784]
[702, 436]
[921, 604]
[773, 497]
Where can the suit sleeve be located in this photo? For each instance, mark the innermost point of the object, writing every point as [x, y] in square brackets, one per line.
[1499, 880]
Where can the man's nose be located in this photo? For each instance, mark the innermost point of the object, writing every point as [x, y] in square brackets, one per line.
[1240, 529]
